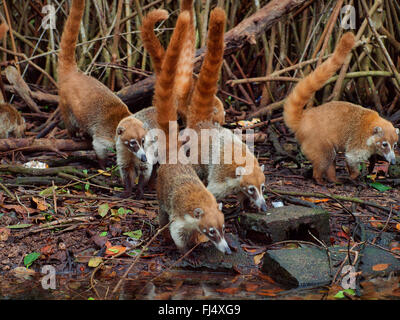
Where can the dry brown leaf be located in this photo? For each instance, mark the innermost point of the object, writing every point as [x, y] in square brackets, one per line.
[380, 267]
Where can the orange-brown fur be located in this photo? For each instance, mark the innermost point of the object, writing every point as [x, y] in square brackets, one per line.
[224, 178]
[184, 82]
[11, 122]
[86, 104]
[184, 200]
[335, 126]
[3, 30]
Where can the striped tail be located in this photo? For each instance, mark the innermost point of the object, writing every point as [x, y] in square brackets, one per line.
[202, 103]
[150, 40]
[66, 57]
[164, 99]
[302, 93]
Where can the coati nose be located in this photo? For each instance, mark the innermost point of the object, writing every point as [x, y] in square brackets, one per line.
[143, 158]
[263, 207]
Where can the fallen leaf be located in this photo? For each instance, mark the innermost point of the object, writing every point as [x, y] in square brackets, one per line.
[40, 204]
[4, 234]
[251, 287]
[228, 290]
[112, 251]
[340, 294]
[375, 224]
[47, 250]
[103, 209]
[23, 273]
[104, 173]
[380, 267]
[31, 258]
[398, 226]
[257, 258]
[95, 262]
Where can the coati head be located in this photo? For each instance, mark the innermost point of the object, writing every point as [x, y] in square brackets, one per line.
[131, 133]
[211, 223]
[252, 184]
[204, 214]
[384, 141]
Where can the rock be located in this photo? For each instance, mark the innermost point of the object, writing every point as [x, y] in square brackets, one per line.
[209, 257]
[382, 261]
[286, 223]
[303, 267]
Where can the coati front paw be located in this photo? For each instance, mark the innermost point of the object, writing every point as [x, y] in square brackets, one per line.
[139, 193]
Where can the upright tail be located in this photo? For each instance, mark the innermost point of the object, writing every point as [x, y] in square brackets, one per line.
[184, 78]
[150, 40]
[163, 95]
[302, 93]
[202, 103]
[66, 57]
[184, 73]
[3, 30]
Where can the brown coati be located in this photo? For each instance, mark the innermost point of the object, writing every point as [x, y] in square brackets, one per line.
[183, 199]
[90, 107]
[12, 124]
[184, 82]
[336, 126]
[236, 176]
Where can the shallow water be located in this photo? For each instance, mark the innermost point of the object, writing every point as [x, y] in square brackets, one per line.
[178, 285]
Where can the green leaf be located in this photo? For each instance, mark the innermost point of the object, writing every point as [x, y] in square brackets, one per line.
[30, 258]
[85, 171]
[137, 234]
[379, 186]
[103, 234]
[19, 226]
[103, 209]
[47, 192]
[340, 294]
[87, 186]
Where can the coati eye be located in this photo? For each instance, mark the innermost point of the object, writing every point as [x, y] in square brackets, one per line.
[395, 145]
[251, 189]
[384, 144]
[142, 141]
[212, 231]
[262, 188]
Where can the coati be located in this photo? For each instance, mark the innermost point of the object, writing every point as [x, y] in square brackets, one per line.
[183, 198]
[223, 178]
[185, 81]
[90, 107]
[11, 121]
[336, 126]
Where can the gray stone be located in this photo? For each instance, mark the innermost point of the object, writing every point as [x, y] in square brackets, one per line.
[394, 169]
[372, 256]
[303, 267]
[286, 223]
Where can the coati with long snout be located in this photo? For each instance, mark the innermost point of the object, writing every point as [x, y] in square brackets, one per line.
[243, 178]
[88, 106]
[11, 122]
[185, 81]
[336, 126]
[183, 199]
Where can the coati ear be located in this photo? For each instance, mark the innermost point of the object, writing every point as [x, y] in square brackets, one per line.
[120, 130]
[198, 212]
[220, 205]
[240, 171]
[378, 130]
[262, 168]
